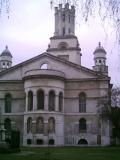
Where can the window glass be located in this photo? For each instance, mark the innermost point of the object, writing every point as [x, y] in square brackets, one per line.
[51, 101]
[44, 66]
[40, 99]
[8, 103]
[82, 102]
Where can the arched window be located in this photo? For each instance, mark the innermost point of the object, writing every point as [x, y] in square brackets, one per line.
[82, 125]
[51, 101]
[51, 125]
[30, 100]
[69, 18]
[7, 124]
[60, 101]
[51, 141]
[63, 17]
[8, 103]
[29, 125]
[40, 125]
[40, 99]
[82, 102]
[44, 66]
[82, 142]
[63, 45]
[69, 30]
[63, 31]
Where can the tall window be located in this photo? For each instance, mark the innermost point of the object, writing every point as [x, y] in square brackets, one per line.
[82, 102]
[63, 31]
[63, 17]
[29, 125]
[51, 125]
[60, 101]
[69, 18]
[7, 124]
[8, 103]
[40, 99]
[30, 100]
[51, 101]
[39, 125]
[82, 125]
[69, 30]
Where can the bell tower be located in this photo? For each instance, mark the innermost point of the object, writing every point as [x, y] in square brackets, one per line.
[64, 20]
[64, 43]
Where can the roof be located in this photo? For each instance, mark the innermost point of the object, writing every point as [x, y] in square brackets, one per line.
[6, 52]
[99, 49]
[46, 54]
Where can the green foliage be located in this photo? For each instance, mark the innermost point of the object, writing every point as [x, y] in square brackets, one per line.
[115, 118]
[66, 153]
[15, 139]
[12, 144]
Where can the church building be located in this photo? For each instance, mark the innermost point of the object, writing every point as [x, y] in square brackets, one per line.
[51, 98]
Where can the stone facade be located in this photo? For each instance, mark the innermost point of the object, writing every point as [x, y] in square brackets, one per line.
[51, 98]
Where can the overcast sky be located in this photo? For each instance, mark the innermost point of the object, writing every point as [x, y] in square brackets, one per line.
[31, 24]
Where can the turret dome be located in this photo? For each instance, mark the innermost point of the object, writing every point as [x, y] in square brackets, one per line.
[5, 59]
[99, 49]
[100, 60]
[6, 52]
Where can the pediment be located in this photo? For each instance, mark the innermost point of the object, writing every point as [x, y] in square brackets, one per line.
[70, 70]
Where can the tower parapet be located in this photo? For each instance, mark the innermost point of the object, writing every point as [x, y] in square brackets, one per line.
[64, 20]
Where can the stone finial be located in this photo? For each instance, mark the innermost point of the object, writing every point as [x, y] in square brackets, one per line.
[99, 44]
[6, 47]
[60, 6]
[56, 9]
[67, 5]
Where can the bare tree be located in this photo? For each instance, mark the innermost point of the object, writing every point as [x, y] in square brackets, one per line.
[115, 97]
[108, 11]
[4, 6]
[115, 119]
[114, 113]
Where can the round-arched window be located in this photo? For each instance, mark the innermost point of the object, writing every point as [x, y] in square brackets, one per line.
[44, 66]
[62, 45]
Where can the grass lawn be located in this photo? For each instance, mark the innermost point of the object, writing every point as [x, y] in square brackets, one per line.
[65, 153]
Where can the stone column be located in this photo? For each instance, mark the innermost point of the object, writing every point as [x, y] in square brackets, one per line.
[46, 128]
[26, 102]
[63, 104]
[34, 131]
[46, 132]
[46, 102]
[34, 102]
[25, 127]
[25, 133]
[57, 103]
[33, 127]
